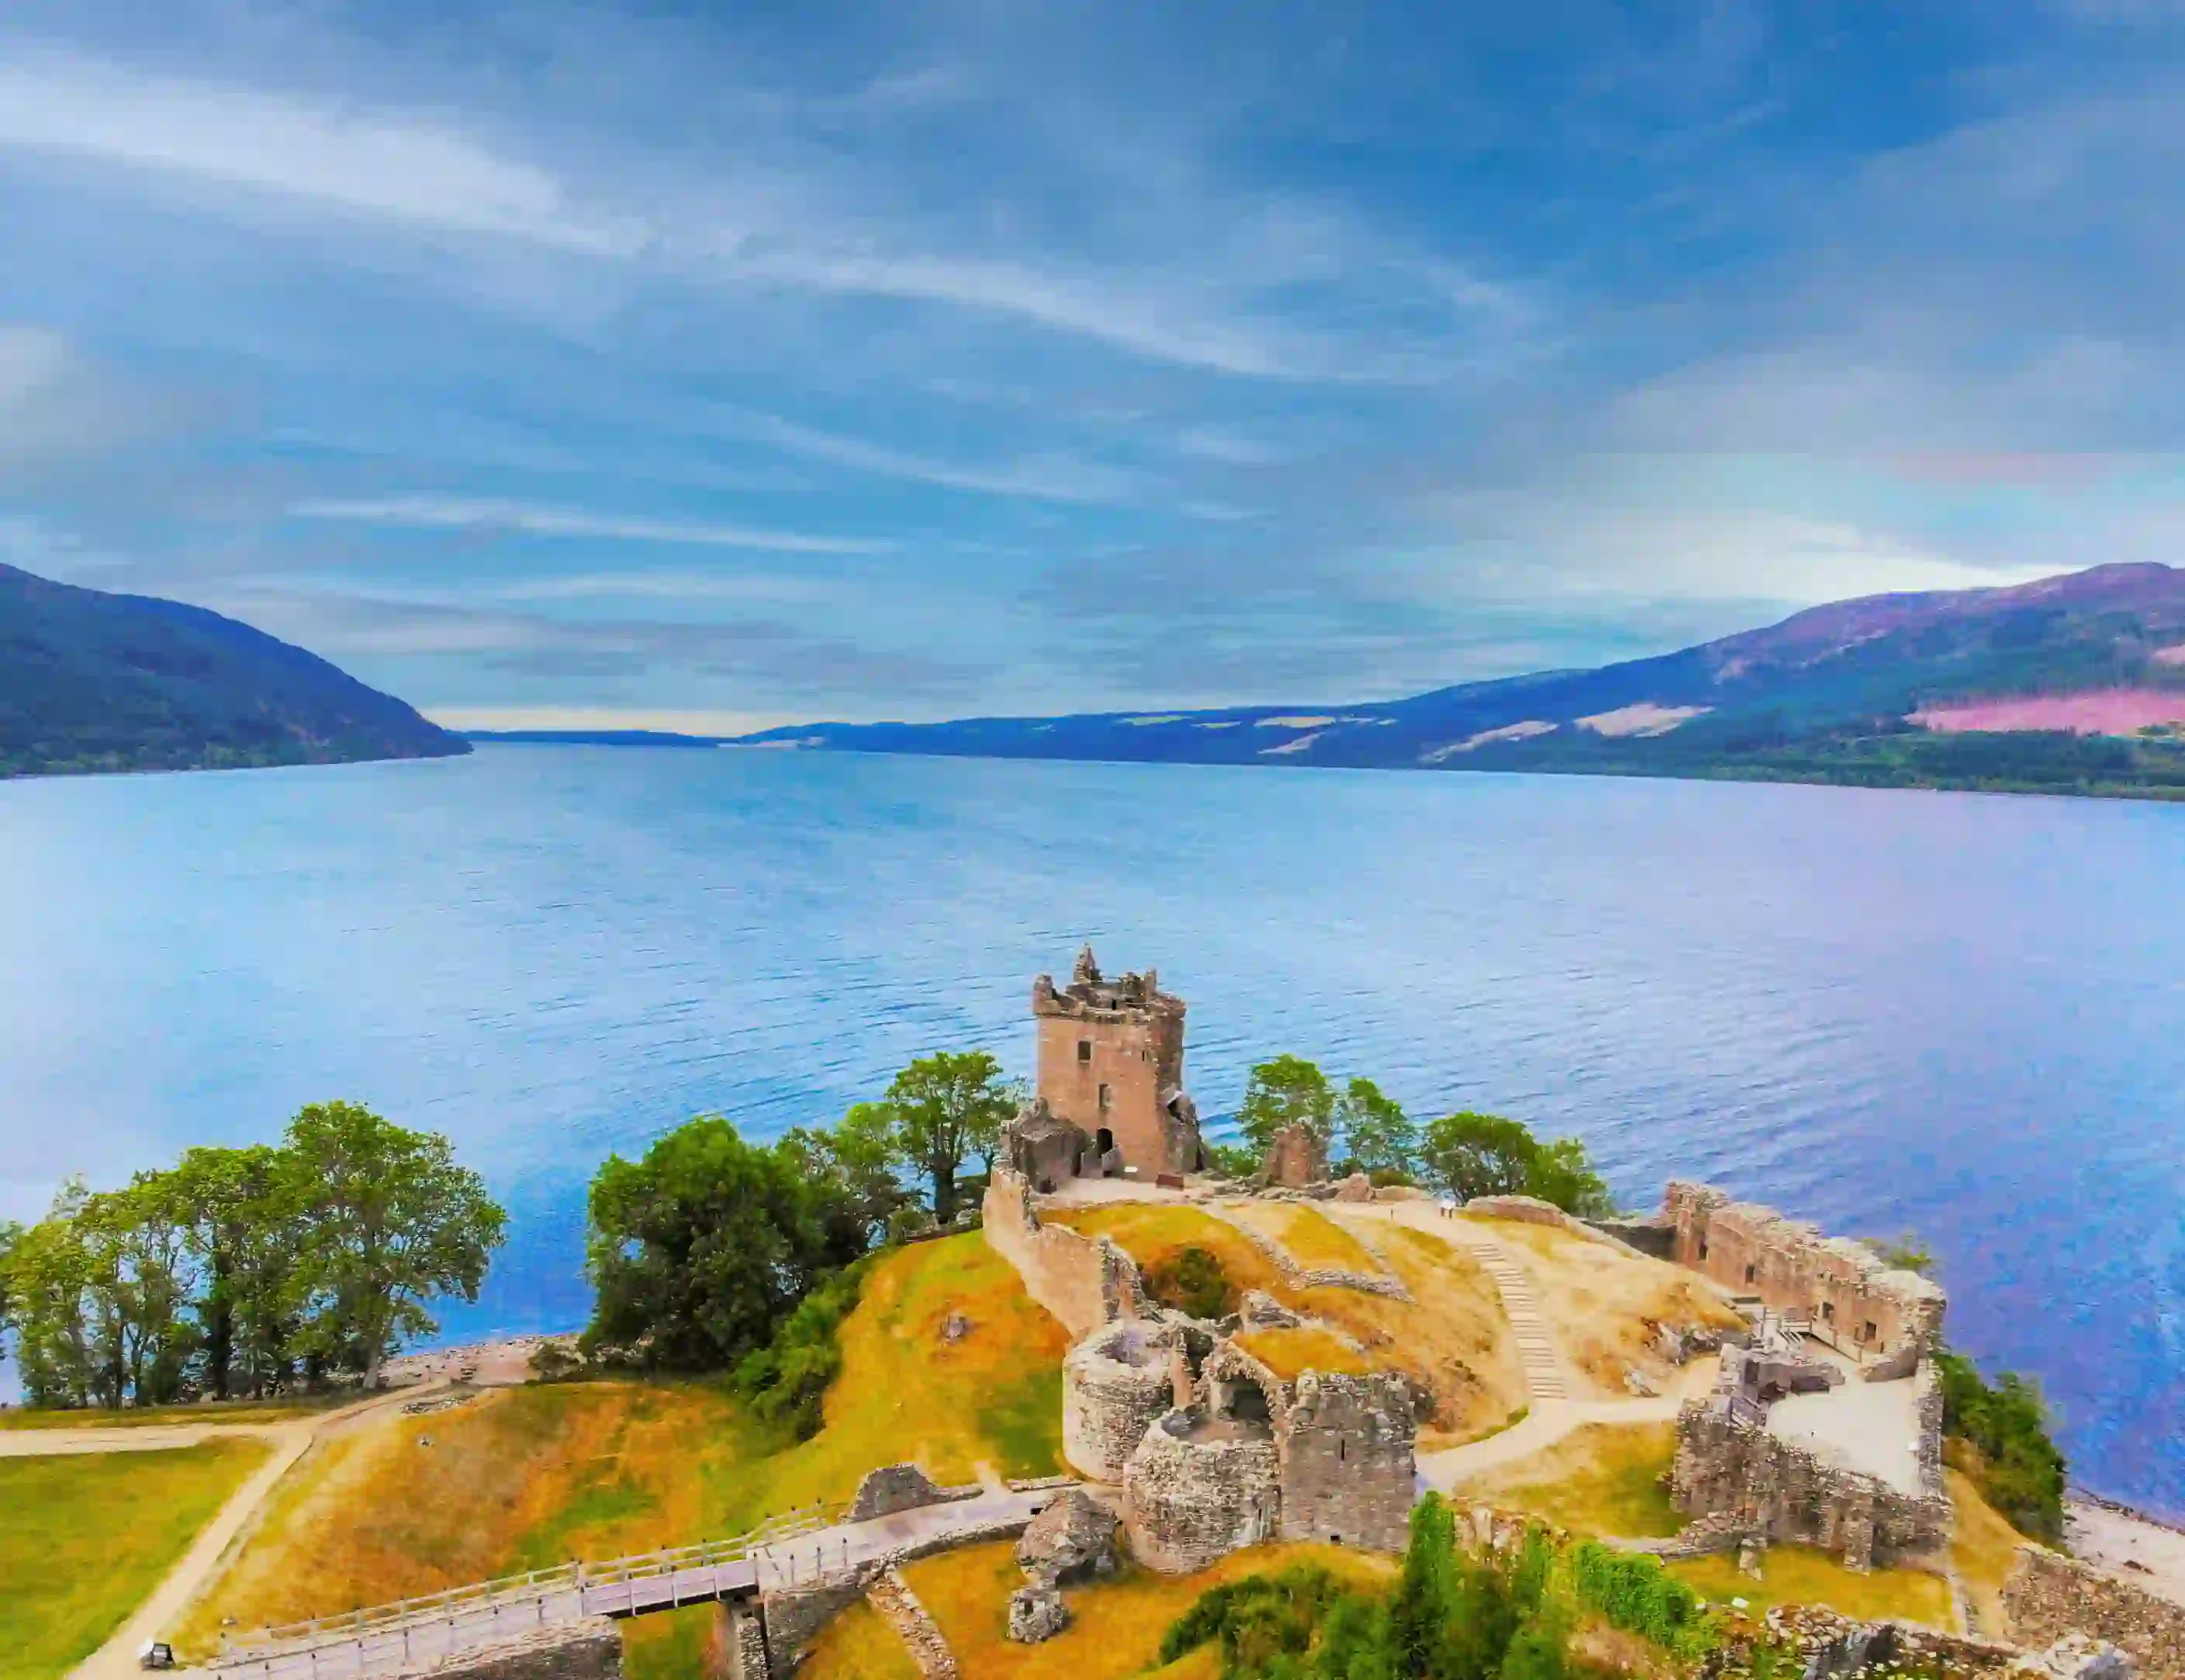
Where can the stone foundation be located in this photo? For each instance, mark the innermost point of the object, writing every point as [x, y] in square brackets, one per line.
[1197, 1490]
[2048, 1595]
[1115, 1384]
[1736, 1471]
[1343, 1456]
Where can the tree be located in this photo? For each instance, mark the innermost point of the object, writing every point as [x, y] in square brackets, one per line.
[1380, 1138]
[48, 1281]
[395, 1224]
[245, 1220]
[1286, 1091]
[850, 1165]
[700, 1249]
[947, 1106]
[1472, 1154]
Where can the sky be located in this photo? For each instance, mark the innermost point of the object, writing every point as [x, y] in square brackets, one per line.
[718, 366]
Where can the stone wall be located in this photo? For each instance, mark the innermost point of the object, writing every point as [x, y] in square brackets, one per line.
[1295, 1159]
[900, 1487]
[2048, 1595]
[1650, 1237]
[1728, 1468]
[1111, 1058]
[1856, 1303]
[591, 1649]
[1193, 1493]
[1344, 1454]
[1084, 1282]
[1115, 1384]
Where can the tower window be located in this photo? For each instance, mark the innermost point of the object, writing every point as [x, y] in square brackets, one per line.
[1103, 1099]
[1084, 1049]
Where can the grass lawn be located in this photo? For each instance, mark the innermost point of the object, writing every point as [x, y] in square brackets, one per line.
[1604, 1479]
[1604, 1302]
[858, 1645]
[1797, 1575]
[150, 1417]
[88, 1535]
[1116, 1628]
[1307, 1235]
[1983, 1550]
[527, 1477]
[1292, 1353]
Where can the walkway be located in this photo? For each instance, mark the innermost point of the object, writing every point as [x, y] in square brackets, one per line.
[292, 1438]
[1551, 1413]
[388, 1641]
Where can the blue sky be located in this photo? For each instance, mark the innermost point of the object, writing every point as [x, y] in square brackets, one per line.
[719, 366]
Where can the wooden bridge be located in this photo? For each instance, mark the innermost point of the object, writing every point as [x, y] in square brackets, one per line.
[782, 1554]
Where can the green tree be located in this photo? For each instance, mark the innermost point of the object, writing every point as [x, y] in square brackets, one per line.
[1379, 1135]
[49, 1272]
[2015, 1461]
[1472, 1154]
[1288, 1091]
[699, 1249]
[852, 1165]
[1563, 1174]
[947, 1106]
[396, 1222]
[143, 1277]
[244, 1219]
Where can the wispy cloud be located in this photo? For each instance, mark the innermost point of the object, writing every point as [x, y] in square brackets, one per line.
[456, 513]
[375, 164]
[1044, 477]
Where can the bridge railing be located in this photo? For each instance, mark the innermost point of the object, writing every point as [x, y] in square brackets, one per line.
[532, 1585]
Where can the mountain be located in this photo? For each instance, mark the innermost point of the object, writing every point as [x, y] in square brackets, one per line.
[2075, 683]
[91, 681]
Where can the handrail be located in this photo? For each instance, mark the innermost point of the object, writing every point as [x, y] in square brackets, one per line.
[526, 1588]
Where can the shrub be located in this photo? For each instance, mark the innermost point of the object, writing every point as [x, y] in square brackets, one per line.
[785, 1381]
[2017, 1465]
[1635, 1593]
[1192, 1281]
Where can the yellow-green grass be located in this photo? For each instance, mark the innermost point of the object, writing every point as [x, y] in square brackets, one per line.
[1605, 1479]
[859, 1644]
[1452, 1335]
[169, 1417]
[1983, 1549]
[992, 1397]
[525, 1478]
[1115, 1626]
[88, 1535]
[1603, 1303]
[519, 1479]
[1290, 1354]
[1797, 1575]
[1306, 1235]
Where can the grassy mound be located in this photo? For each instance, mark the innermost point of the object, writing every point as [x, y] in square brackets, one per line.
[89, 1535]
[1605, 1479]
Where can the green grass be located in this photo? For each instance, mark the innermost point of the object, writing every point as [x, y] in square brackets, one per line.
[88, 1535]
[155, 1417]
[1604, 1479]
[1798, 1575]
[1023, 1419]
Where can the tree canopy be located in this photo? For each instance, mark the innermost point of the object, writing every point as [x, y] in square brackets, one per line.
[1286, 1091]
[700, 1247]
[1474, 1154]
[246, 1271]
[945, 1107]
[1377, 1136]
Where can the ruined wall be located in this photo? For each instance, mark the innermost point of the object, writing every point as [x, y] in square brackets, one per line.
[2048, 1595]
[1343, 1456]
[1084, 1282]
[1295, 1159]
[1115, 1384]
[901, 1488]
[1735, 1470]
[591, 1649]
[1857, 1304]
[1190, 1496]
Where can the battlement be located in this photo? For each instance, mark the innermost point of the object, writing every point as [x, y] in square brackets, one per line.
[1092, 995]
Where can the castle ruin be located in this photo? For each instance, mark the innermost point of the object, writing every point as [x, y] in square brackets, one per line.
[1109, 1100]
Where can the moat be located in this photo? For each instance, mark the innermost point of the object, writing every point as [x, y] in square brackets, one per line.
[1953, 1015]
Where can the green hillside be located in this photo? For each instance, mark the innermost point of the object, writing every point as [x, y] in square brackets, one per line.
[97, 682]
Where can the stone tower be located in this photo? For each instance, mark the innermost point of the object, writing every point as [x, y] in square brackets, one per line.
[1111, 1064]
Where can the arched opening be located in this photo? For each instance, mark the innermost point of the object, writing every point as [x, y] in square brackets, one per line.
[1103, 1140]
[1244, 1401]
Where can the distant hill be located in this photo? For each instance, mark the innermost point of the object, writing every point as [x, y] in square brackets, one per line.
[2072, 684]
[91, 681]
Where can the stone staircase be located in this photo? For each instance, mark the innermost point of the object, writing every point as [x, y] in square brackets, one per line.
[1536, 1347]
[921, 1636]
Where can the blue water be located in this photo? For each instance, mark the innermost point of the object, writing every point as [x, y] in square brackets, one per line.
[1958, 1015]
